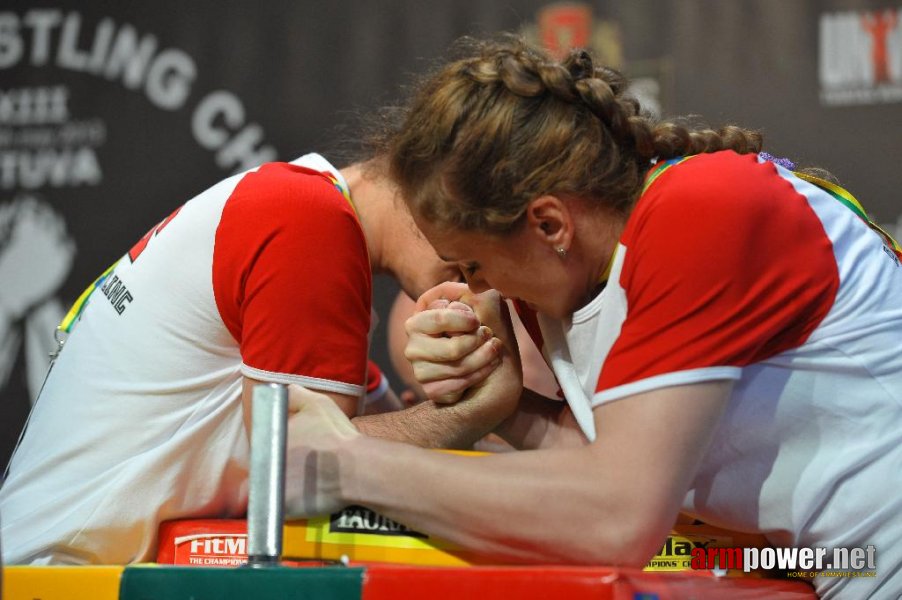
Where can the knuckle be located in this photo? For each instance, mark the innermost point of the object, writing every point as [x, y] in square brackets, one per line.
[448, 398]
[420, 373]
[460, 346]
[447, 350]
[409, 325]
[436, 319]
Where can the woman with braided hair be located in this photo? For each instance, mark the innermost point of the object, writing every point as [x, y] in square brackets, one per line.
[725, 332]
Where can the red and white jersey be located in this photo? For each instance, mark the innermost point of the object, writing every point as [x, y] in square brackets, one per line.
[733, 268]
[264, 275]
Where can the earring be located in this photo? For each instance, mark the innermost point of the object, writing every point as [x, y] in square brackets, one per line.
[561, 251]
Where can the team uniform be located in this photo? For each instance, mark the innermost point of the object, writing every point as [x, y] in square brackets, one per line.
[732, 268]
[264, 275]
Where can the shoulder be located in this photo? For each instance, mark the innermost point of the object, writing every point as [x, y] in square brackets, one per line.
[720, 183]
[721, 198]
[284, 199]
[284, 186]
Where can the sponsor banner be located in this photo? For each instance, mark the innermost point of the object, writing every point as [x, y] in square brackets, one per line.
[358, 534]
[211, 550]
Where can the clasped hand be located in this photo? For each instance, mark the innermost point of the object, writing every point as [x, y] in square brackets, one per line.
[457, 339]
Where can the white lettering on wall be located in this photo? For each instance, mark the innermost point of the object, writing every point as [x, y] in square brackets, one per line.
[219, 124]
[120, 53]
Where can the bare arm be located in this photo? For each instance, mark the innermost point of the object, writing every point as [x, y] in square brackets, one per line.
[536, 422]
[432, 425]
[541, 422]
[389, 402]
[347, 404]
[598, 503]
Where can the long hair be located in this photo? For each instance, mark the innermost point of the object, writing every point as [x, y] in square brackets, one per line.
[504, 124]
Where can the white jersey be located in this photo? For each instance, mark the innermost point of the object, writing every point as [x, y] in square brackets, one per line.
[733, 268]
[264, 275]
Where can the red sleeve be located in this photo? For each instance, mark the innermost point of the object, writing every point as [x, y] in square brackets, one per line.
[725, 265]
[373, 377]
[530, 323]
[292, 280]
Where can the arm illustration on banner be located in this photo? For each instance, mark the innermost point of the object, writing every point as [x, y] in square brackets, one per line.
[36, 256]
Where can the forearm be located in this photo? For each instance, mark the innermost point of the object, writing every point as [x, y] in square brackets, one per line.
[431, 425]
[551, 506]
[540, 422]
[536, 422]
[595, 503]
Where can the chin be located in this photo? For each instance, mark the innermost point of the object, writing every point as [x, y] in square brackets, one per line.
[555, 311]
[542, 309]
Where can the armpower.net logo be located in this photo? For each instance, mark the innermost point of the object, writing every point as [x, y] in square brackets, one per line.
[798, 562]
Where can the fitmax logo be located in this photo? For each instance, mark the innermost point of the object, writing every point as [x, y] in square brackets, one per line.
[227, 545]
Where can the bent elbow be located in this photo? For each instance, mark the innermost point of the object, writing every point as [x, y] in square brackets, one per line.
[626, 542]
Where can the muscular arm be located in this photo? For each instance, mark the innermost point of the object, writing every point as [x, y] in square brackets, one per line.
[540, 422]
[432, 425]
[427, 424]
[347, 404]
[599, 503]
[537, 422]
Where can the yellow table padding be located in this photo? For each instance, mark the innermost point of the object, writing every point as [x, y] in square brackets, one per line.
[61, 583]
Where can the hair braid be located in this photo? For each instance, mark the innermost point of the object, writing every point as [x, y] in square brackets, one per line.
[505, 124]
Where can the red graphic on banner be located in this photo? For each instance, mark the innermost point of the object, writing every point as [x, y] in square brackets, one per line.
[565, 26]
[880, 25]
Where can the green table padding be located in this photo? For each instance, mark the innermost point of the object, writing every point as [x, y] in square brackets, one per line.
[199, 583]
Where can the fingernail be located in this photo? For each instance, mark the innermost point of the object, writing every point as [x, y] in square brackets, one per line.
[497, 345]
[486, 332]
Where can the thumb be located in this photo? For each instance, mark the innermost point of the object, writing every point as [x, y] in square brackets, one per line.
[450, 290]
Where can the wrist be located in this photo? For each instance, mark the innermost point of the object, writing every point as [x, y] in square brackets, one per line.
[352, 460]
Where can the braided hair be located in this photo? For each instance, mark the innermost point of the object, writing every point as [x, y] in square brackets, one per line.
[488, 133]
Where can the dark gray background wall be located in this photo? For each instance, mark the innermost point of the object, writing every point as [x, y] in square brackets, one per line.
[95, 150]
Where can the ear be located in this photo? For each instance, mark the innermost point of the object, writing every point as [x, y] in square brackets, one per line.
[550, 218]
